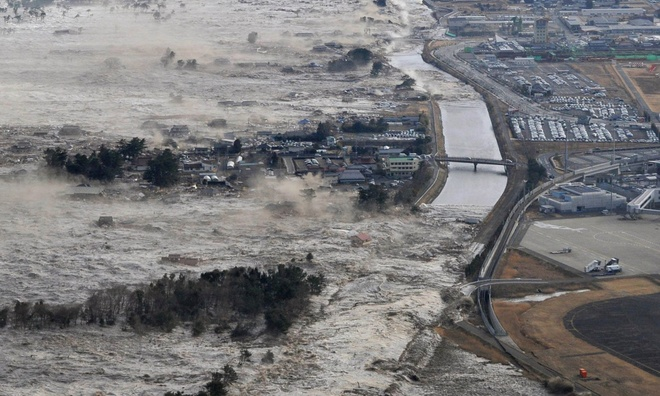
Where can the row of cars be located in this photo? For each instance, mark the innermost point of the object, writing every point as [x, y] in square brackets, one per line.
[604, 110]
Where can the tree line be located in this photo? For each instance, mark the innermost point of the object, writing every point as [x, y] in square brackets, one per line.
[106, 164]
[239, 295]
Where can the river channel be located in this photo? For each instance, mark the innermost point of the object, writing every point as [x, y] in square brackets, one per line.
[467, 131]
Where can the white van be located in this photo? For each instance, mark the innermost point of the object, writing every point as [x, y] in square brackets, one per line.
[613, 268]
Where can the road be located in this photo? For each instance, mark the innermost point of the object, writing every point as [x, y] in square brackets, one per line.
[447, 57]
[435, 135]
[469, 288]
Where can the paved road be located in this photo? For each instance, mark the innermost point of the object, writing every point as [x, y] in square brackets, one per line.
[469, 288]
[435, 135]
[447, 56]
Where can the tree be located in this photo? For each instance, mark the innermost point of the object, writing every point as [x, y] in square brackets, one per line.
[167, 58]
[79, 165]
[376, 68]
[535, 173]
[56, 158]
[316, 283]
[198, 327]
[230, 375]
[108, 165]
[309, 256]
[245, 355]
[4, 314]
[216, 387]
[361, 56]
[163, 169]
[323, 130]
[407, 83]
[252, 37]
[374, 197]
[268, 357]
[274, 159]
[132, 149]
[236, 147]
[589, 4]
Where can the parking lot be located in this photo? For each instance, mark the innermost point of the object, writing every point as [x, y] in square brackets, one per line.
[539, 128]
[561, 88]
[634, 242]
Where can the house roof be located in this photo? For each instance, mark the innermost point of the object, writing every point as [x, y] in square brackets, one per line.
[363, 236]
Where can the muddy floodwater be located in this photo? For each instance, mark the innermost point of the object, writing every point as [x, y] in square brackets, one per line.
[99, 65]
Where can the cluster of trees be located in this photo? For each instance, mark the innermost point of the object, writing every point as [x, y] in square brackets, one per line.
[104, 164]
[373, 198]
[421, 145]
[163, 169]
[535, 173]
[219, 297]
[169, 56]
[218, 385]
[341, 65]
[354, 58]
[412, 188]
[323, 130]
[107, 163]
[373, 126]
[408, 83]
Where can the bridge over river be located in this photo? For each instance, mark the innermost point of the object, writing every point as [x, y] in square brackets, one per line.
[476, 161]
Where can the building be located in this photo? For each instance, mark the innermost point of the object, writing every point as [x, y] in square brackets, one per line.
[70, 130]
[360, 239]
[350, 176]
[523, 62]
[401, 166]
[612, 12]
[541, 31]
[577, 198]
[573, 23]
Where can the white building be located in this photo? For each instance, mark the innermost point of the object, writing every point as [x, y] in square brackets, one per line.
[401, 166]
[577, 197]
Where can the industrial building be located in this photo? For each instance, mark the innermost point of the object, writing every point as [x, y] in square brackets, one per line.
[578, 197]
